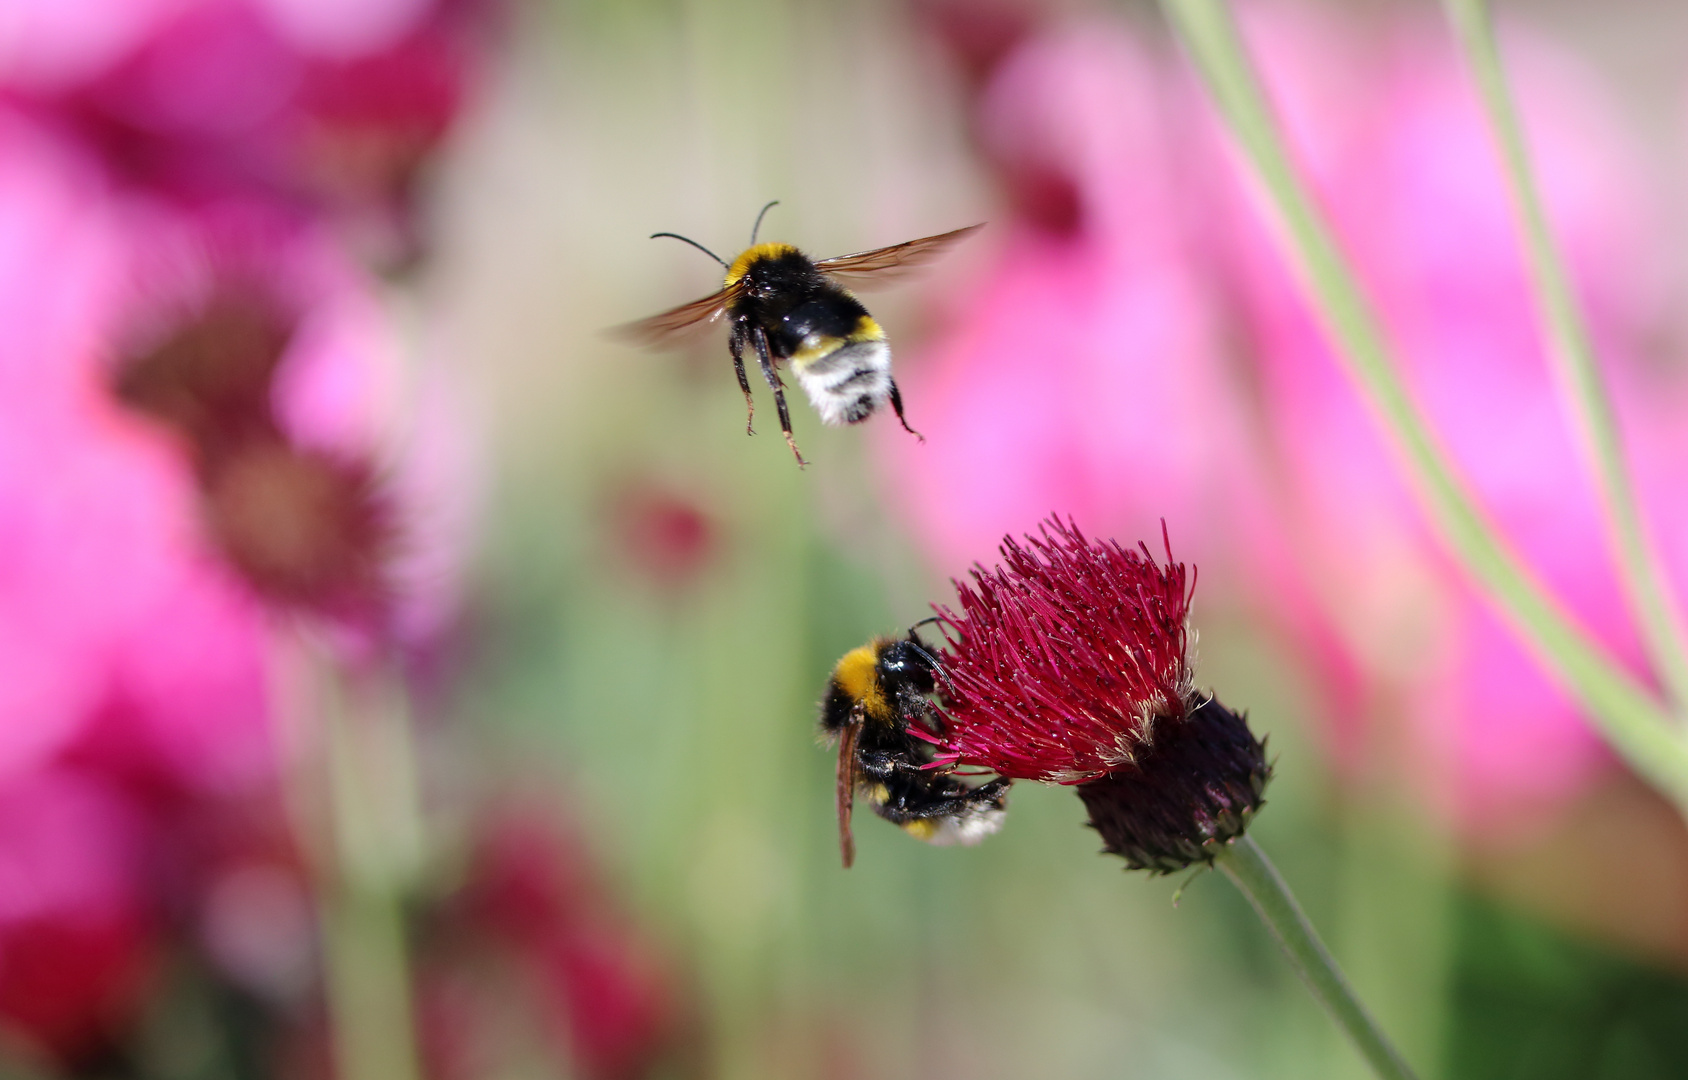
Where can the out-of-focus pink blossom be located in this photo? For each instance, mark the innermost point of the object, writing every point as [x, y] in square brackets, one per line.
[1143, 348]
[107, 605]
[1085, 371]
[324, 478]
[48, 45]
[205, 420]
[328, 107]
[1405, 165]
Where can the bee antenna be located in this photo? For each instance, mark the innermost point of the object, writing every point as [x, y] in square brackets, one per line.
[756, 228]
[694, 243]
[937, 665]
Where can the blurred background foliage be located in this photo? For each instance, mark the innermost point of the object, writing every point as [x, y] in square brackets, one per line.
[655, 602]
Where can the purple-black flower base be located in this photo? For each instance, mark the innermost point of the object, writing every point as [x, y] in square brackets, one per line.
[1195, 787]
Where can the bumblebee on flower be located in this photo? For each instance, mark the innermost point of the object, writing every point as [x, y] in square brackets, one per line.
[1070, 664]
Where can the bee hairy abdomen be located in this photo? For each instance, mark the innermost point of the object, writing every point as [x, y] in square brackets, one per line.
[846, 373]
[939, 809]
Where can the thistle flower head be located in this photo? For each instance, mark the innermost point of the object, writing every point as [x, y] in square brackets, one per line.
[1063, 660]
[1070, 663]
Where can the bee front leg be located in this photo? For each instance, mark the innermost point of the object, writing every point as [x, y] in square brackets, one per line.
[760, 339]
[735, 342]
[883, 764]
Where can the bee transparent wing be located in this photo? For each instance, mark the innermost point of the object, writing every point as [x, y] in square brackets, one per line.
[884, 265]
[847, 739]
[676, 323]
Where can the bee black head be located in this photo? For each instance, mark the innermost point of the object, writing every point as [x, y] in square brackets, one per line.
[907, 663]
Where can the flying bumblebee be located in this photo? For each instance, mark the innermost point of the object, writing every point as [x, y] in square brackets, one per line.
[788, 308]
[875, 693]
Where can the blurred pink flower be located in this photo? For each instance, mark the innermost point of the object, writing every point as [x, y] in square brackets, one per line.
[134, 655]
[270, 361]
[1142, 349]
[208, 417]
[104, 604]
[1395, 143]
[325, 106]
[1085, 371]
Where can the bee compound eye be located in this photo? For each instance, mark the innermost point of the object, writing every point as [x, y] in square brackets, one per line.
[904, 662]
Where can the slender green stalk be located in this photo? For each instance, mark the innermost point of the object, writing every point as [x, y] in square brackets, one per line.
[1249, 869]
[367, 978]
[374, 850]
[1627, 714]
[1572, 351]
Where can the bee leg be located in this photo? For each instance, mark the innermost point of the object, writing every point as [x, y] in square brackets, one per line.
[882, 764]
[763, 357]
[897, 406]
[911, 798]
[735, 342]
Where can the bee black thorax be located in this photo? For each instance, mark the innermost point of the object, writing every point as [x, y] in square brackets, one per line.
[792, 302]
[884, 685]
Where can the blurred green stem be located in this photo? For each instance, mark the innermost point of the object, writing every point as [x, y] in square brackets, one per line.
[1572, 352]
[1627, 714]
[1248, 868]
[374, 852]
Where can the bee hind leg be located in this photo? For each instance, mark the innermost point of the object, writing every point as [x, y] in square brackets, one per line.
[928, 796]
[766, 360]
[897, 407]
[735, 343]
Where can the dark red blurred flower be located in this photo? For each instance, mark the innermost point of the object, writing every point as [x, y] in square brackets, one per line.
[69, 985]
[605, 993]
[76, 933]
[367, 124]
[1062, 662]
[612, 1001]
[527, 876]
[303, 527]
[209, 375]
[664, 534]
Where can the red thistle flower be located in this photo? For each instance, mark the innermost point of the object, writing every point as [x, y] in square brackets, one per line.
[1070, 664]
[1063, 661]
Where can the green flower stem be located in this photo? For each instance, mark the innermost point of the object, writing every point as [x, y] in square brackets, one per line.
[1572, 351]
[374, 852]
[1627, 714]
[1248, 868]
